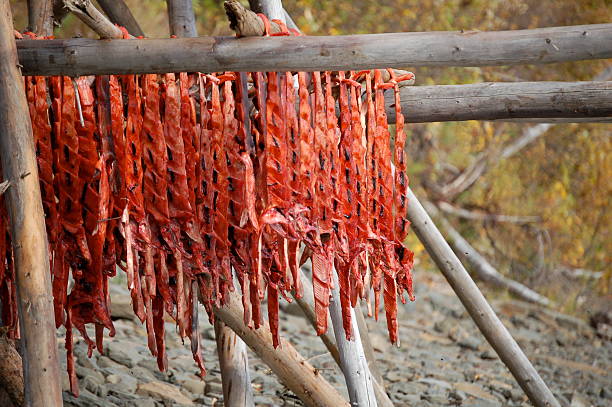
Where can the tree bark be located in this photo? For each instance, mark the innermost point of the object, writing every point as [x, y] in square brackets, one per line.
[290, 367]
[29, 236]
[477, 306]
[40, 19]
[313, 53]
[119, 13]
[181, 18]
[234, 364]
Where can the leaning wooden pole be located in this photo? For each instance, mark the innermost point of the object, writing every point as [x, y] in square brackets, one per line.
[119, 13]
[234, 365]
[352, 357]
[477, 306]
[29, 236]
[306, 303]
[305, 381]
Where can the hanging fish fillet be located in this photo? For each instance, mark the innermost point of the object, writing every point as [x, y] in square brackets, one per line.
[134, 176]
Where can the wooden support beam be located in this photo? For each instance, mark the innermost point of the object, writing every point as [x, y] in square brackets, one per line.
[119, 13]
[291, 368]
[477, 306]
[311, 53]
[29, 236]
[40, 19]
[504, 100]
[306, 303]
[234, 364]
[181, 18]
[352, 357]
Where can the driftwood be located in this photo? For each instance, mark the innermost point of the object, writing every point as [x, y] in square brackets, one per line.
[477, 306]
[234, 364]
[291, 368]
[314, 53]
[40, 20]
[119, 13]
[11, 375]
[498, 100]
[28, 232]
[181, 18]
[481, 267]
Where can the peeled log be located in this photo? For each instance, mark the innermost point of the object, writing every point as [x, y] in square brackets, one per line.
[499, 100]
[118, 12]
[80, 56]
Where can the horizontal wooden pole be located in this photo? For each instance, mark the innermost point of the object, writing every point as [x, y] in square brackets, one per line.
[511, 100]
[80, 56]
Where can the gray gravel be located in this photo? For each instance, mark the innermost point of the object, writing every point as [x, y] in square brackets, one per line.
[443, 360]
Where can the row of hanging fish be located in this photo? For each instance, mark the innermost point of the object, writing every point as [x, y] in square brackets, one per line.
[190, 181]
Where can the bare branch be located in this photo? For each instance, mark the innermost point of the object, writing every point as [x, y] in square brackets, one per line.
[481, 268]
[481, 215]
[482, 162]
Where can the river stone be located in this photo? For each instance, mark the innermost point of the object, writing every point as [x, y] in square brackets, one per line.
[164, 391]
[123, 382]
[123, 352]
[94, 375]
[195, 386]
[474, 390]
[106, 362]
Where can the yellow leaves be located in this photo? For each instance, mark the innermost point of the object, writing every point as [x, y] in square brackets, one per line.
[559, 190]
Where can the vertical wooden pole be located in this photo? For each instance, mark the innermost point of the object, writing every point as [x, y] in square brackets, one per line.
[478, 307]
[29, 237]
[352, 357]
[181, 18]
[234, 364]
[307, 306]
[40, 17]
[119, 13]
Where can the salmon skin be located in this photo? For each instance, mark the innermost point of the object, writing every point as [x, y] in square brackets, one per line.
[189, 182]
